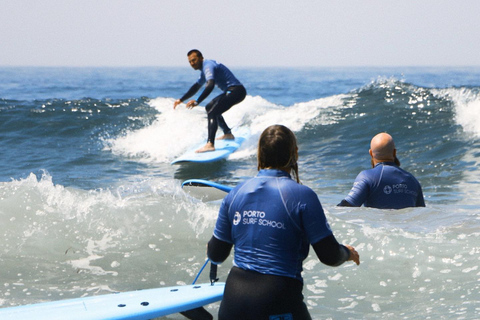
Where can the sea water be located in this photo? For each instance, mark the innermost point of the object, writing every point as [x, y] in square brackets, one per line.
[89, 203]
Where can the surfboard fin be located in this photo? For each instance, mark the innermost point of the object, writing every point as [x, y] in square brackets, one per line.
[197, 314]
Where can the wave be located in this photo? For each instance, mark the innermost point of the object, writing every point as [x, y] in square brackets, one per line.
[174, 131]
[75, 236]
[384, 105]
[128, 125]
[467, 107]
[435, 129]
[453, 105]
[43, 201]
[152, 234]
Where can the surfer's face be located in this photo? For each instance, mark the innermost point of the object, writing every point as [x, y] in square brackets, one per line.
[195, 61]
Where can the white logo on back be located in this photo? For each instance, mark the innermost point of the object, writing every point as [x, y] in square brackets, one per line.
[387, 189]
[237, 218]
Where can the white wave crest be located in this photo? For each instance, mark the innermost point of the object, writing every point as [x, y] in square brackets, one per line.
[175, 131]
[467, 107]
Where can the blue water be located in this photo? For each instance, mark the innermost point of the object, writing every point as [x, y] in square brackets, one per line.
[90, 204]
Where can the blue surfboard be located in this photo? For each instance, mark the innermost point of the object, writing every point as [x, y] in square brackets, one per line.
[138, 305]
[223, 148]
[205, 190]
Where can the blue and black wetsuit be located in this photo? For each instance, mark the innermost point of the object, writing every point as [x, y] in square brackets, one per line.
[234, 92]
[271, 220]
[386, 186]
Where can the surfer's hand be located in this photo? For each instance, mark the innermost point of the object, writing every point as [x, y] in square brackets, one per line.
[176, 103]
[354, 256]
[191, 104]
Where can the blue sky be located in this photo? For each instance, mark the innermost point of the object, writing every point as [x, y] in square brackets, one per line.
[240, 33]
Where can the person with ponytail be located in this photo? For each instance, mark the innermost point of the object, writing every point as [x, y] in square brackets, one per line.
[271, 220]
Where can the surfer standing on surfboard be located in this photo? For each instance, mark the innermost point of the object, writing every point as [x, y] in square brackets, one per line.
[213, 73]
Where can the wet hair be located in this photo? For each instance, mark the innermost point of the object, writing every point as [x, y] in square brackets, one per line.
[199, 54]
[277, 149]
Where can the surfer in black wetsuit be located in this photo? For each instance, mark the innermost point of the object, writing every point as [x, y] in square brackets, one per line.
[213, 73]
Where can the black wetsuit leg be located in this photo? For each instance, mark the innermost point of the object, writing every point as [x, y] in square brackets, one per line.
[251, 295]
[219, 105]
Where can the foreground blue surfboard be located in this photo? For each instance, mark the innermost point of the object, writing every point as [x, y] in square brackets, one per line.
[223, 148]
[141, 305]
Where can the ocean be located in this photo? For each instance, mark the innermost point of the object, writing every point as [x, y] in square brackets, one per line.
[90, 204]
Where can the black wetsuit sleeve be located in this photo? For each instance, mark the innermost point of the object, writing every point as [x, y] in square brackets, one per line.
[345, 203]
[193, 89]
[208, 89]
[218, 250]
[330, 252]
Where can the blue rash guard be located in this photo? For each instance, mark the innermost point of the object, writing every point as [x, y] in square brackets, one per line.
[234, 92]
[386, 186]
[271, 220]
[223, 77]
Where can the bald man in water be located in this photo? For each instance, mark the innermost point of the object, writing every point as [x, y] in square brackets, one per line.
[386, 185]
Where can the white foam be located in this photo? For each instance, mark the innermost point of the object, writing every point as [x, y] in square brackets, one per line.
[175, 131]
[467, 108]
[169, 135]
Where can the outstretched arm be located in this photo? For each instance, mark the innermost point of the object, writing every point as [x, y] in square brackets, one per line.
[193, 89]
[208, 88]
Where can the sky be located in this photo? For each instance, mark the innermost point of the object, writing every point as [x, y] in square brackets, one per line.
[248, 33]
